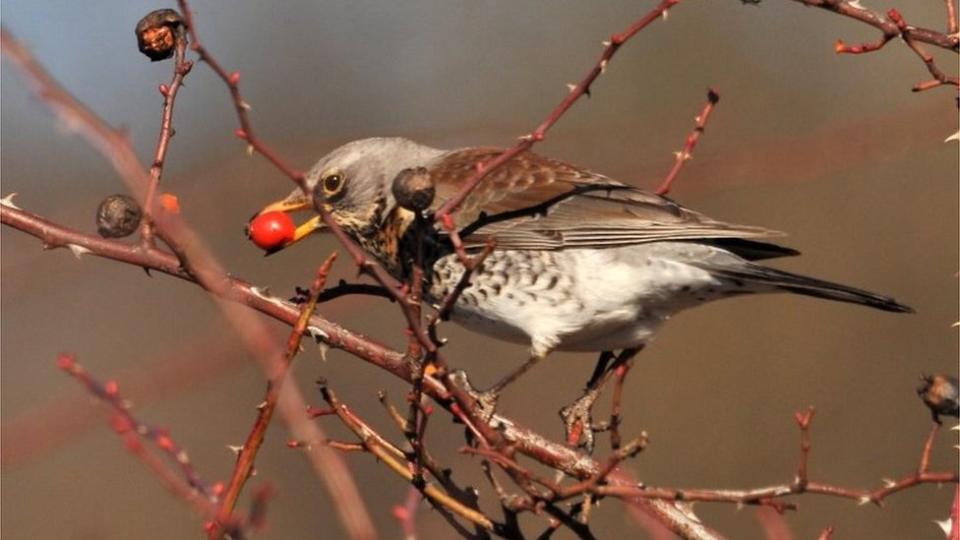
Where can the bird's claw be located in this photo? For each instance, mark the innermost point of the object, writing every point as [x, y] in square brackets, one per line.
[578, 421]
[486, 401]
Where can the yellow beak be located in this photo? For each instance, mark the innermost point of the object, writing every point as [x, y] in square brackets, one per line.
[291, 205]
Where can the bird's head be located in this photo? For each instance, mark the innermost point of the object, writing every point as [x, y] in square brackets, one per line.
[353, 182]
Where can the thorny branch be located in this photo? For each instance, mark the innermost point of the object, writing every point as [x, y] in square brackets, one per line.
[181, 67]
[576, 92]
[892, 26]
[801, 484]
[686, 154]
[247, 454]
[189, 260]
[125, 422]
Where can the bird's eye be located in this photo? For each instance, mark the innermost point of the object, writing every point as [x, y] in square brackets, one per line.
[332, 183]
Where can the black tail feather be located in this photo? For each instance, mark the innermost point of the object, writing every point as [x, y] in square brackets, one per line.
[808, 286]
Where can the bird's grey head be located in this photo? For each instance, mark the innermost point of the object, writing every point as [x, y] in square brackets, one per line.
[355, 182]
[355, 179]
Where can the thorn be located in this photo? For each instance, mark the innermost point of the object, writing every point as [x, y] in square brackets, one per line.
[262, 405]
[863, 500]
[664, 14]
[244, 105]
[954, 137]
[855, 4]
[687, 509]
[571, 87]
[606, 43]
[251, 150]
[317, 334]
[888, 482]
[946, 525]
[603, 66]
[183, 457]
[324, 349]
[8, 201]
[264, 293]
[78, 251]
[236, 449]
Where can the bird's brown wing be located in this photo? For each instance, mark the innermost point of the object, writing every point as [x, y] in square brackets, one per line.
[534, 202]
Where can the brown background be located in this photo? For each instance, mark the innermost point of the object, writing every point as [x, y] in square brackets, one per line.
[833, 149]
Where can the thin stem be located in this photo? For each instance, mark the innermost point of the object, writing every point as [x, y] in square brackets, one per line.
[248, 453]
[686, 154]
[181, 67]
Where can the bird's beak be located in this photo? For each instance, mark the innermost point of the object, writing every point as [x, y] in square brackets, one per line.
[290, 205]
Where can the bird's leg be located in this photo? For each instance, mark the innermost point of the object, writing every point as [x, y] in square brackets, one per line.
[578, 416]
[516, 373]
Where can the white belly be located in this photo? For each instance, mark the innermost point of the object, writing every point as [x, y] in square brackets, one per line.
[576, 300]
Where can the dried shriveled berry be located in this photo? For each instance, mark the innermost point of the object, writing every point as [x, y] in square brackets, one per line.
[413, 189]
[118, 216]
[271, 230]
[158, 32]
[940, 393]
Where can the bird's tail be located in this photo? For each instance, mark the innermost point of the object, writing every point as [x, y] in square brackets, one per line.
[795, 283]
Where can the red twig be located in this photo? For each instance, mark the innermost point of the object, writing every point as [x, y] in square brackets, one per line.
[181, 68]
[232, 80]
[406, 513]
[193, 262]
[686, 154]
[112, 143]
[377, 445]
[125, 422]
[801, 484]
[773, 523]
[892, 26]
[951, 16]
[576, 92]
[884, 25]
[937, 74]
[248, 452]
[28, 436]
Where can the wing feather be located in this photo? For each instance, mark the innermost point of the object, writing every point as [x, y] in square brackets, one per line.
[534, 202]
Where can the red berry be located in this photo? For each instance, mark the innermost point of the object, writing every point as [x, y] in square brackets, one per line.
[271, 230]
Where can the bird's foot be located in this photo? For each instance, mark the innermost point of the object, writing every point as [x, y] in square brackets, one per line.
[485, 401]
[578, 421]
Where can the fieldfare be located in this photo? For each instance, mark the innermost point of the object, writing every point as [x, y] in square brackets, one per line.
[582, 262]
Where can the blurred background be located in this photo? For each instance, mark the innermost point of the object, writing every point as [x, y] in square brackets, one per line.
[835, 150]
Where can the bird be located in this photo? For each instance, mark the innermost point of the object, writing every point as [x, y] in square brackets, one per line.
[582, 262]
